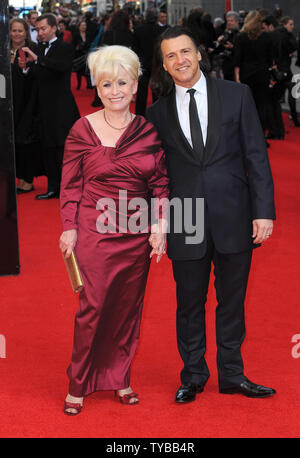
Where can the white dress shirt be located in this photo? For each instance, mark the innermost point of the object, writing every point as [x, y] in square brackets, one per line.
[50, 43]
[182, 103]
[33, 34]
[26, 70]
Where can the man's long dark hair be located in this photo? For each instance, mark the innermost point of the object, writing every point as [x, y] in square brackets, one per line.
[161, 82]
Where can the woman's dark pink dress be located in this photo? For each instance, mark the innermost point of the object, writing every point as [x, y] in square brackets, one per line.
[114, 266]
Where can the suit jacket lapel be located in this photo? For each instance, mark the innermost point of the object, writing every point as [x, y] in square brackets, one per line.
[214, 117]
[41, 49]
[52, 47]
[177, 133]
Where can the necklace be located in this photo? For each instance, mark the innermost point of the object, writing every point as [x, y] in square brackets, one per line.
[117, 128]
[13, 51]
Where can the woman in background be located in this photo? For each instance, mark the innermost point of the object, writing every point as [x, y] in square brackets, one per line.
[254, 55]
[24, 107]
[64, 33]
[81, 43]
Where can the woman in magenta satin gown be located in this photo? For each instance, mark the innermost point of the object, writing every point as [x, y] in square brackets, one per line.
[108, 154]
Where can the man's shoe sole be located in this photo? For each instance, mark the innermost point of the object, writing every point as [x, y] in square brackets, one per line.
[245, 394]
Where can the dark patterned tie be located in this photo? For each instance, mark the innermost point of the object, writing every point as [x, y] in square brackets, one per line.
[196, 132]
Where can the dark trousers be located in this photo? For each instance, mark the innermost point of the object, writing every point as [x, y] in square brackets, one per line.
[280, 89]
[142, 94]
[276, 125]
[263, 101]
[289, 85]
[228, 69]
[25, 166]
[79, 76]
[97, 101]
[52, 158]
[192, 280]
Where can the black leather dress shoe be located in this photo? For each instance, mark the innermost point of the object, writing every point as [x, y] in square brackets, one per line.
[187, 392]
[249, 389]
[48, 195]
[275, 137]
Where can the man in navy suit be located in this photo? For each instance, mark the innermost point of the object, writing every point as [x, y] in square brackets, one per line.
[216, 151]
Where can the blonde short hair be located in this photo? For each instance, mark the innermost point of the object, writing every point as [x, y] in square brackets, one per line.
[107, 60]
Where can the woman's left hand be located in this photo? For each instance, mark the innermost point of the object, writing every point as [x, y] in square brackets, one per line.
[158, 243]
[22, 63]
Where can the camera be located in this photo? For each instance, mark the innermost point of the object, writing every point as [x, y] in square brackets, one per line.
[277, 75]
[226, 37]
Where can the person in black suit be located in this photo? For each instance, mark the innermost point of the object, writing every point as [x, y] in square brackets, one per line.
[162, 21]
[32, 17]
[145, 38]
[215, 150]
[277, 81]
[288, 48]
[57, 107]
[201, 28]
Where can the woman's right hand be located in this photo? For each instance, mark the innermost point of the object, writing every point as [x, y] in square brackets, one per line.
[22, 63]
[67, 242]
[158, 238]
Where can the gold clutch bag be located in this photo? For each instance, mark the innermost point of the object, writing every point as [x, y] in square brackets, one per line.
[74, 272]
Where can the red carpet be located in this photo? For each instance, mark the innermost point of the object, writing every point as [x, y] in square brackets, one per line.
[36, 318]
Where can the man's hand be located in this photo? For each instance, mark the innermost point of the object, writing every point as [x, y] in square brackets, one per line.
[32, 57]
[262, 230]
[67, 242]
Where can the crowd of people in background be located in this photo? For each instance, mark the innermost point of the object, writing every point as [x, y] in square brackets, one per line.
[255, 48]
